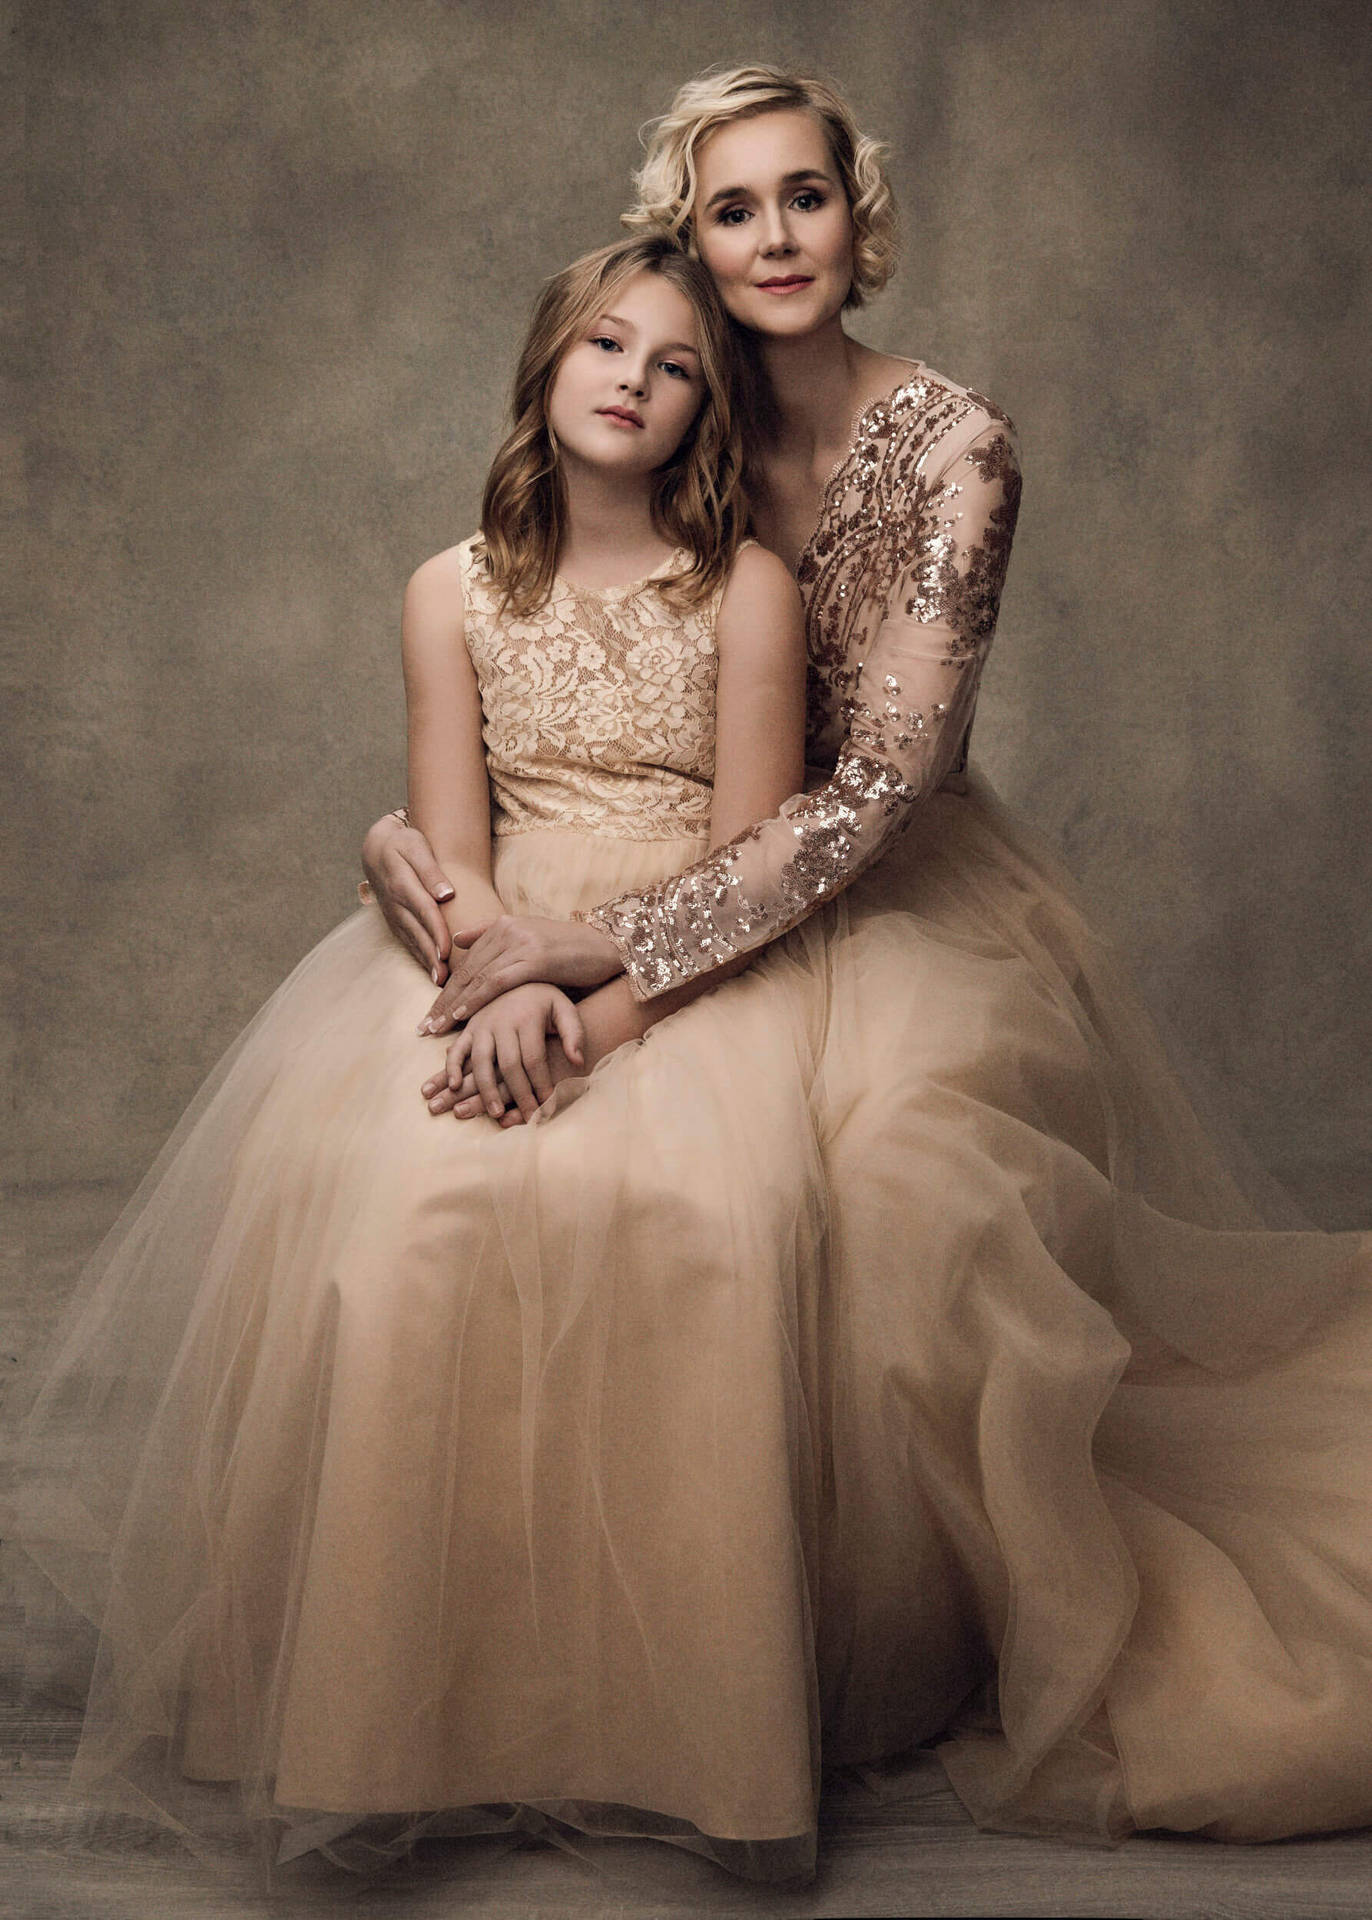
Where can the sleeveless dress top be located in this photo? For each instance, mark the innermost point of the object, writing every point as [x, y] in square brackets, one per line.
[598, 708]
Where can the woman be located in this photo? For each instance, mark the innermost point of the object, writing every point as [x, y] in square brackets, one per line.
[1097, 1493]
[414, 1471]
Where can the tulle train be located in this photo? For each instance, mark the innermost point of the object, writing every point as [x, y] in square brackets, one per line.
[879, 1352]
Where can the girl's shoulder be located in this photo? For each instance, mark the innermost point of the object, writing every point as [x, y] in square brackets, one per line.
[757, 585]
[756, 569]
[459, 572]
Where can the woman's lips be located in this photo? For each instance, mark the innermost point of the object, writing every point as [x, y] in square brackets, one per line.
[620, 416]
[791, 283]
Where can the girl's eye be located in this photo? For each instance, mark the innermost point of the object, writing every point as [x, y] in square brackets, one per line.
[605, 340]
[675, 368]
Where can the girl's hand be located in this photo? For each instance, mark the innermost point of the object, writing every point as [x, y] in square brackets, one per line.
[406, 882]
[505, 1049]
[512, 951]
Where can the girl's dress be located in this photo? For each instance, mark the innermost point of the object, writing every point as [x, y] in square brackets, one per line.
[414, 1465]
[876, 1353]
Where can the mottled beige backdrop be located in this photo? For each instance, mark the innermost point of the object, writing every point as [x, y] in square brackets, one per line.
[280, 254]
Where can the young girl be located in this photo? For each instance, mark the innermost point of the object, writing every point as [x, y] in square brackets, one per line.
[411, 1467]
[1097, 1493]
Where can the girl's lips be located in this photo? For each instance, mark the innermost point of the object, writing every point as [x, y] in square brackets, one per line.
[621, 416]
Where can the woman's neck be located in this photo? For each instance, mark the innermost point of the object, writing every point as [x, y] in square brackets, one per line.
[820, 382]
[816, 382]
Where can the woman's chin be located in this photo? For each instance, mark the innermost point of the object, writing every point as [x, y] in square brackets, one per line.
[789, 316]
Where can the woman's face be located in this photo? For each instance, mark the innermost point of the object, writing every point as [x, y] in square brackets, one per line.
[772, 222]
[626, 391]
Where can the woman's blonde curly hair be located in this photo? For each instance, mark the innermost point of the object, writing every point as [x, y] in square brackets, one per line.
[666, 182]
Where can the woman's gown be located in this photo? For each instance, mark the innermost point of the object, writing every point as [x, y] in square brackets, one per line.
[876, 1353]
[1095, 1497]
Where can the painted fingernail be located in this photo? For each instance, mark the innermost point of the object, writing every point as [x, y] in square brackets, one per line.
[433, 975]
[459, 1013]
[444, 893]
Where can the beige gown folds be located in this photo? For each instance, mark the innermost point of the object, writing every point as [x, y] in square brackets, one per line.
[876, 1354]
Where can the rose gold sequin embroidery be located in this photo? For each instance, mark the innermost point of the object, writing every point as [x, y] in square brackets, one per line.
[902, 581]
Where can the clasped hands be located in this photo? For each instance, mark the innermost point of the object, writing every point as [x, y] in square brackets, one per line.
[521, 1035]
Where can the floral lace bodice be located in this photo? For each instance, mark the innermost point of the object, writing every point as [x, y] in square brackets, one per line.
[902, 580]
[598, 709]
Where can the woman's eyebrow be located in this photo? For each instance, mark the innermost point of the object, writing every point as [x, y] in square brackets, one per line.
[787, 180]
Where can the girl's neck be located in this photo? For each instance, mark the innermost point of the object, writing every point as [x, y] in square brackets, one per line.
[610, 536]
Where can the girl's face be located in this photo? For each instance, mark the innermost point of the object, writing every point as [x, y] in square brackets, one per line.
[627, 390]
[772, 222]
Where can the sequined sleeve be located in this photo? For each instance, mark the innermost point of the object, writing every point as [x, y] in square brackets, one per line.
[946, 544]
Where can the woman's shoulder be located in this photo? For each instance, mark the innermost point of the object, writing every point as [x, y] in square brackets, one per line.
[928, 408]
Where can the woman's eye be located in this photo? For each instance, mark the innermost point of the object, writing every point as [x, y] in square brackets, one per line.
[809, 201]
[732, 217]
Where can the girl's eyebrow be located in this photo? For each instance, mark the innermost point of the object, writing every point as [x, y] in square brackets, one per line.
[672, 346]
[787, 180]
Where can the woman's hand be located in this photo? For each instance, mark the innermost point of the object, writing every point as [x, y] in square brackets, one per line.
[512, 951]
[407, 883]
[513, 1051]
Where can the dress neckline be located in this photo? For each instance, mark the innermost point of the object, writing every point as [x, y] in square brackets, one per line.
[622, 588]
[861, 426]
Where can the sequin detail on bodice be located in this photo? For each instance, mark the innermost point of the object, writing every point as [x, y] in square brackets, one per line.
[598, 709]
[878, 520]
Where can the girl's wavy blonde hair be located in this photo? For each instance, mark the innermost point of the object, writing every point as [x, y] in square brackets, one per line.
[666, 182]
[698, 499]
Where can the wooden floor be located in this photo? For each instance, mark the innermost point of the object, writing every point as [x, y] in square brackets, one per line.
[892, 1844]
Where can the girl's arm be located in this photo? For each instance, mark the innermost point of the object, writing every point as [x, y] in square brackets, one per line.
[449, 798]
[402, 876]
[947, 532]
[759, 762]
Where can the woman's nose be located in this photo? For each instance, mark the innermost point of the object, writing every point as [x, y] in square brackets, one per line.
[776, 237]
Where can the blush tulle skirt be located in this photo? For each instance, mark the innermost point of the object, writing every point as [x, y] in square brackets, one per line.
[876, 1354]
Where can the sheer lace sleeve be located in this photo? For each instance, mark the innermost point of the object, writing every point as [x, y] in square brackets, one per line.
[944, 539]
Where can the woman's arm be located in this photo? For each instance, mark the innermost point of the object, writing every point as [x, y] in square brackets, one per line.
[949, 533]
[449, 798]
